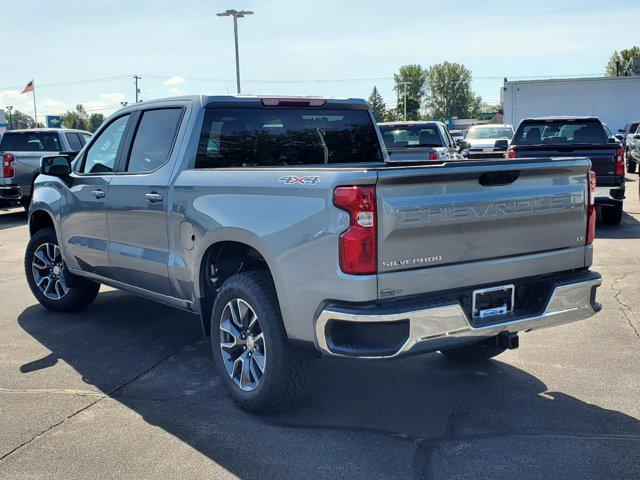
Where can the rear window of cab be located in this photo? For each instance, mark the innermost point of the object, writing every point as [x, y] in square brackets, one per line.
[30, 142]
[267, 137]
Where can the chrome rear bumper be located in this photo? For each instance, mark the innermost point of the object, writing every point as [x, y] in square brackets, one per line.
[446, 325]
[10, 192]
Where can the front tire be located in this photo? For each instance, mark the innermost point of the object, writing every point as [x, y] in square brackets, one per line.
[260, 369]
[612, 215]
[50, 282]
[474, 353]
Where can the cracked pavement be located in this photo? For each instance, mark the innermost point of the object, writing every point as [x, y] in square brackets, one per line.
[126, 389]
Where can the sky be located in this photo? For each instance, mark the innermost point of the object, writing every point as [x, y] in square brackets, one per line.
[88, 51]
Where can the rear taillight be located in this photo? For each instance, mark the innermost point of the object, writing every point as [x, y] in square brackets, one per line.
[358, 243]
[591, 209]
[620, 161]
[7, 166]
[433, 155]
[511, 154]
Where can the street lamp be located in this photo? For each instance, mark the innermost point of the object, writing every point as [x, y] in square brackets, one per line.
[236, 15]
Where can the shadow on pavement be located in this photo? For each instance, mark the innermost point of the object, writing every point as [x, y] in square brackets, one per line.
[419, 417]
[629, 228]
[12, 217]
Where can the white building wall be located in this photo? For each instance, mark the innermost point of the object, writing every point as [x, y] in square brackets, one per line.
[615, 100]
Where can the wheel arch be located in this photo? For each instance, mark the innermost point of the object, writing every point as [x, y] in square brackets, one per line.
[229, 255]
[40, 219]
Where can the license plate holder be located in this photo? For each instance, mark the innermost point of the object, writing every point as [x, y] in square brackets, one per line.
[492, 301]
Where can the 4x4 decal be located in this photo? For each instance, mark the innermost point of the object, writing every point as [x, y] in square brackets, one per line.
[293, 180]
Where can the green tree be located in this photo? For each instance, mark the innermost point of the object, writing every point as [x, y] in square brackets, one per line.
[376, 103]
[77, 118]
[21, 120]
[450, 95]
[414, 78]
[619, 63]
[95, 120]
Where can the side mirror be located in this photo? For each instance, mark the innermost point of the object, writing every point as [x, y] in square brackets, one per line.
[621, 130]
[55, 165]
[502, 144]
[612, 140]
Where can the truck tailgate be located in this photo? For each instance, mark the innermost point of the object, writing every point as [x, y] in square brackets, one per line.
[473, 211]
[603, 158]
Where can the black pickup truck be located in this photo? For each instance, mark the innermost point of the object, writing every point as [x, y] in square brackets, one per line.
[577, 137]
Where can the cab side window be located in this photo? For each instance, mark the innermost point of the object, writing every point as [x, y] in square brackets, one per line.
[74, 141]
[101, 156]
[154, 140]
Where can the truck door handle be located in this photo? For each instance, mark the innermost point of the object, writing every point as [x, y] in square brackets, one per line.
[98, 193]
[153, 197]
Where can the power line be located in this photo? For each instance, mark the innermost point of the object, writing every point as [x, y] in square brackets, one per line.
[373, 79]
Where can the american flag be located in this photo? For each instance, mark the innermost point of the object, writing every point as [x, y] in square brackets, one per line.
[28, 88]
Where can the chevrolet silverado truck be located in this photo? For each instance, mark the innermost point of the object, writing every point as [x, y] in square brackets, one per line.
[281, 223]
[21, 151]
[578, 136]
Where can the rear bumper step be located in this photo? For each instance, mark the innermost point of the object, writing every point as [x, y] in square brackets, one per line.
[609, 195]
[403, 329]
[10, 192]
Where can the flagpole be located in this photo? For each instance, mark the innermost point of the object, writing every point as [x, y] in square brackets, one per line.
[35, 112]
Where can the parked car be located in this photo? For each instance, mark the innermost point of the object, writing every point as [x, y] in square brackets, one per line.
[575, 137]
[486, 141]
[628, 133]
[21, 151]
[283, 225]
[418, 141]
[633, 151]
[457, 135]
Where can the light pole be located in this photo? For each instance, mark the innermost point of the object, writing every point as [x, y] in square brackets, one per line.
[236, 15]
[9, 108]
[405, 98]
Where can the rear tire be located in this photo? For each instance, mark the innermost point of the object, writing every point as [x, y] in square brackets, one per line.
[277, 380]
[50, 282]
[474, 353]
[612, 215]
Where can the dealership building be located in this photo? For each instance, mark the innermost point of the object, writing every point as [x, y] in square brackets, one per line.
[614, 100]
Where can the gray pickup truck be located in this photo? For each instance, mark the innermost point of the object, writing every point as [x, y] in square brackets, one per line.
[281, 224]
[21, 151]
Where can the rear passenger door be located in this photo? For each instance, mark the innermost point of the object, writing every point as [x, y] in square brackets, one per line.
[137, 206]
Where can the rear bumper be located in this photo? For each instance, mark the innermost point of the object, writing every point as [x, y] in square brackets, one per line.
[10, 192]
[609, 195]
[421, 326]
[479, 154]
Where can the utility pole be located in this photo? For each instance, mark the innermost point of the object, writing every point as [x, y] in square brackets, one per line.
[405, 98]
[135, 79]
[236, 15]
[9, 108]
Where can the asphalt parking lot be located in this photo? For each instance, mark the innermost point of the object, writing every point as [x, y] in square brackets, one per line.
[126, 389]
